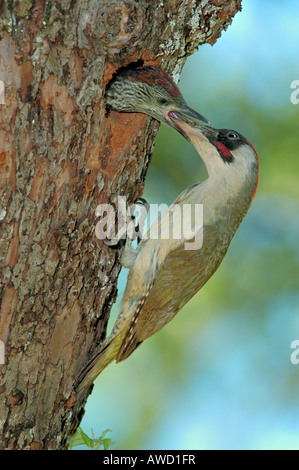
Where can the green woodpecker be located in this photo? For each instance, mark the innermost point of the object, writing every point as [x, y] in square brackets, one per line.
[164, 274]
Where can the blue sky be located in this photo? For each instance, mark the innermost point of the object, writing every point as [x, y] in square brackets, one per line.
[260, 49]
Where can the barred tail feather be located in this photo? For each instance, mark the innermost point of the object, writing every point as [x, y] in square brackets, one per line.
[99, 362]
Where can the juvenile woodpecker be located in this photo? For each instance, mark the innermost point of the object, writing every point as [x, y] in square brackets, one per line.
[164, 275]
[151, 91]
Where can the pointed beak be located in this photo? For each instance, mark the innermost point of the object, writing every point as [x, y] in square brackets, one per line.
[193, 114]
[177, 121]
[174, 117]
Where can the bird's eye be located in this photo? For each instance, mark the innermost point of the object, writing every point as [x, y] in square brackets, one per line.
[232, 135]
[162, 100]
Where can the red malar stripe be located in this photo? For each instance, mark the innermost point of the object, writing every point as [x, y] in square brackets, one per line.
[225, 152]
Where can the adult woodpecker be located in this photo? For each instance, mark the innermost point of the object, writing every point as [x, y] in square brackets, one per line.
[151, 91]
[164, 275]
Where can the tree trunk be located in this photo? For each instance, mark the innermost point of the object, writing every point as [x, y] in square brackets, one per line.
[60, 156]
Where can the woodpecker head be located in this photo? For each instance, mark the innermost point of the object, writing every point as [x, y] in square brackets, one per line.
[228, 156]
[151, 91]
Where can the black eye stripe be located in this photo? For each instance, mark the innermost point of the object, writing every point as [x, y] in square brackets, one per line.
[229, 142]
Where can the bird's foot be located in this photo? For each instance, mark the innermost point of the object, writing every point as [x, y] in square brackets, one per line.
[141, 219]
[130, 230]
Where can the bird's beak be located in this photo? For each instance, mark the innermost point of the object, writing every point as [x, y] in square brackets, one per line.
[177, 120]
[173, 116]
[193, 114]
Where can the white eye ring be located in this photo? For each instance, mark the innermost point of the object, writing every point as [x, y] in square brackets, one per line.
[232, 135]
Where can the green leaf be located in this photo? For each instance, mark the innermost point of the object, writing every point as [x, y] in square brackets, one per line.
[87, 440]
[107, 442]
[76, 439]
[81, 438]
[104, 434]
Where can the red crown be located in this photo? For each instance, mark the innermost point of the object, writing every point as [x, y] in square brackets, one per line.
[152, 75]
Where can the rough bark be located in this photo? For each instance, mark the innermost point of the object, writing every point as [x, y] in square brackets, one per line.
[60, 156]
